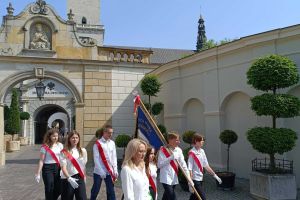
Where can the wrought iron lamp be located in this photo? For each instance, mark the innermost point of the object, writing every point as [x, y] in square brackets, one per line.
[40, 89]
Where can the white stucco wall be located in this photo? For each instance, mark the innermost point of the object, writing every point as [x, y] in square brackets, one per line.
[217, 78]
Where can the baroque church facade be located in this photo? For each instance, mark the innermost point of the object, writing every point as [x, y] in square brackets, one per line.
[87, 84]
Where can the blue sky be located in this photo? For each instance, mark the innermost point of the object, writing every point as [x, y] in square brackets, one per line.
[173, 23]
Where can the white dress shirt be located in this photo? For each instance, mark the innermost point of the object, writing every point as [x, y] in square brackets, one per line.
[56, 148]
[167, 174]
[135, 184]
[82, 160]
[109, 149]
[200, 154]
[153, 174]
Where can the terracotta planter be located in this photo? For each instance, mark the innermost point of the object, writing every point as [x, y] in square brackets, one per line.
[15, 137]
[12, 146]
[7, 138]
[23, 141]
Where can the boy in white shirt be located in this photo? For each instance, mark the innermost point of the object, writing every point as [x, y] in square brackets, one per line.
[168, 166]
[105, 159]
[196, 162]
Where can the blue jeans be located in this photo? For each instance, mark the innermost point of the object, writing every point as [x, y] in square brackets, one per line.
[110, 192]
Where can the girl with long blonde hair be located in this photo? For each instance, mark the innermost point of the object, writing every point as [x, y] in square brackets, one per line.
[135, 183]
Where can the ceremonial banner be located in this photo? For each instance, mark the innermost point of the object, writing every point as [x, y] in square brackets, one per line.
[147, 130]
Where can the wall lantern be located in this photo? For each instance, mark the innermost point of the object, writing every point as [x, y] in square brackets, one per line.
[40, 89]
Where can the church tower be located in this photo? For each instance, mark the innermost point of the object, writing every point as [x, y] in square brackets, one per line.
[85, 11]
[201, 38]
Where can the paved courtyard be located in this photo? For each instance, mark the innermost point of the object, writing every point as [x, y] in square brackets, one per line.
[17, 181]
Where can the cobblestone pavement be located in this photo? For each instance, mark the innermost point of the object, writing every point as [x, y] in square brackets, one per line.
[17, 181]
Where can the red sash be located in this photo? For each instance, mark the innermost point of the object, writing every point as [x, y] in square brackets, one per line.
[151, 182]
[51, 153]
[197, 161]
[104, 160]
[74, 162]
[172, 163]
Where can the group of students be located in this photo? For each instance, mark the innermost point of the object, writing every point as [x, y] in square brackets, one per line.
[63, 167]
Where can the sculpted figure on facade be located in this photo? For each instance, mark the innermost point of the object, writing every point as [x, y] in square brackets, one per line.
[40, 39]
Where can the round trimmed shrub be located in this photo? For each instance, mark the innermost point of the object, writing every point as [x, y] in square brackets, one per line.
[187, 136]
[228, 137]
[24, 115]
[157, 108]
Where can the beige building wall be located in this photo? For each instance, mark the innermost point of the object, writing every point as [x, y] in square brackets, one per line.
[216, 80]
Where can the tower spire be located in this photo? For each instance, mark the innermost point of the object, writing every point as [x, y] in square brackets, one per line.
[201, 38]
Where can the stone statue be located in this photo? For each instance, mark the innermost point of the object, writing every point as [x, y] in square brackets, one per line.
[39, 39]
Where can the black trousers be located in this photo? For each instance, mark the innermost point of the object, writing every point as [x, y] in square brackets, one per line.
[198, 186]
[52, 181]
[169, 193]
[68, 191]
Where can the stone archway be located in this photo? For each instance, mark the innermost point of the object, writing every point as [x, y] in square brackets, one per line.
[18, 77]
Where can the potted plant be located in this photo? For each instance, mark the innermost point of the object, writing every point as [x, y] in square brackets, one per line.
[24, 116]
[269, 74]
[13, 122]
[187, 137]
[228, 137]
[121, 141]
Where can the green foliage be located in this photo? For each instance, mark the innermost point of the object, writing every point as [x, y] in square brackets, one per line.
[278, 105]
[24, 115]
[272, 140]
[212, 43]
[122, 140]
[157, 108]
[6, 112]
[185, 153]
[163, 130]
[147, 105]
[228, 137]
[272, 72]
[187, 136]
[13, 122]
[150, 85]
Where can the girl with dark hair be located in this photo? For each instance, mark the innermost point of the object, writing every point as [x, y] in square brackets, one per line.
[151, 171]
[49, 165]
[73, 159]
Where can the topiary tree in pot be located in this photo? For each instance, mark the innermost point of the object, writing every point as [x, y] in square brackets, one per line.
[269, 74]
[121, 141]
[23, 117]
[227, 137]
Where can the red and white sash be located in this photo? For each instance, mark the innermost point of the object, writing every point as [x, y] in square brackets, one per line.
[197, 161]
[74, 162]
[172, 163]
[104, 160]
[51, 153]
[152, 183]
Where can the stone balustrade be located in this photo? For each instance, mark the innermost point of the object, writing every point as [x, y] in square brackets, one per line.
[113, 54]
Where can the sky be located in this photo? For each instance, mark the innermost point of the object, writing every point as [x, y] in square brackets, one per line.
[174, 23]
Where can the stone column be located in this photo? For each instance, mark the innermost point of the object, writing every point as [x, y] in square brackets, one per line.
[25, 122]
[2, 150]
[79, 112]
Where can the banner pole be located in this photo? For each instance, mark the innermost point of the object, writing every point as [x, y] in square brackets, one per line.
[165, 142]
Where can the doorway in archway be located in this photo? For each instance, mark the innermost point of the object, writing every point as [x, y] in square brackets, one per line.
[50, 116]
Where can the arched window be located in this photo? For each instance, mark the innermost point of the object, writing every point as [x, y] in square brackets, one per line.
[83, 21]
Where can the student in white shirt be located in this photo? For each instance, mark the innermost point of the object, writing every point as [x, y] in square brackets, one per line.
[168, 166]
[73, 159]
[196, 162]
[151, 171]
[100, 170]
[49, 165]
[135, 184]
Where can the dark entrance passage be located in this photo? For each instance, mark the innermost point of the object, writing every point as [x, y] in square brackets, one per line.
[41, 121]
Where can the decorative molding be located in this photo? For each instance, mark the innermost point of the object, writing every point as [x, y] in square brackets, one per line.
[6, 52]
[39, 72]
[88, 41]
[214, 113]
[40, 8]
[175, 116]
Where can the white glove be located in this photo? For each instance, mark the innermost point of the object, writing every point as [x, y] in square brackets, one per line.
[37, 178]
[218, 178]
[175, 155]
[191, 189]
[73, 182]
[116, 174]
